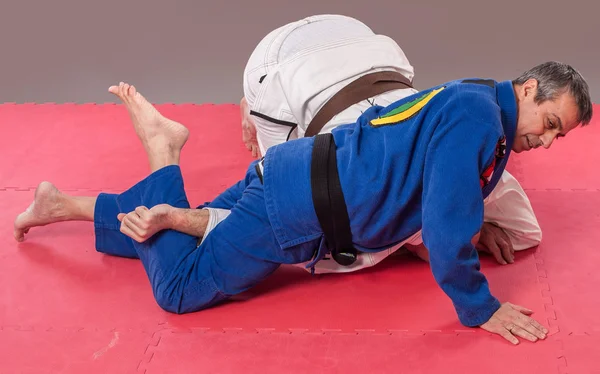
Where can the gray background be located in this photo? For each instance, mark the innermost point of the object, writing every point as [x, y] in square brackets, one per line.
[195, 51]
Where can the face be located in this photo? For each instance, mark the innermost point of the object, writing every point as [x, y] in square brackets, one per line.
[540, 125]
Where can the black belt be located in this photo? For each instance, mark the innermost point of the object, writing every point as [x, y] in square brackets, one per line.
[328, 200]
[327, 195]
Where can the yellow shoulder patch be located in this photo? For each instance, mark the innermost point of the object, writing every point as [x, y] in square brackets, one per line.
[407, 110]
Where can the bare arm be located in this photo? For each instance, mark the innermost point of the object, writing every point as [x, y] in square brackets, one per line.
[189, 221]
[143, 223]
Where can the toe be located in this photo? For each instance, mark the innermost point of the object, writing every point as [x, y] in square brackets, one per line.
[18, 234]
[126, 91]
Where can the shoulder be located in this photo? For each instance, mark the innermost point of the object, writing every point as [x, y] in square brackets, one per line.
[471, 94]
[470, 103]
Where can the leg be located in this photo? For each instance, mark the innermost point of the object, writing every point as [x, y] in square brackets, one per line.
[51, 206]
[239, 253]
[163, 140]
[229, 197]
[161, 137]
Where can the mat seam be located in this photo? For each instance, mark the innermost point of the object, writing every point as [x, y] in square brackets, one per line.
[553, 322]
[258, 330]
[150, 351]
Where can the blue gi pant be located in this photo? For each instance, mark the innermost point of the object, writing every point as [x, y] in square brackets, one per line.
[237, 254]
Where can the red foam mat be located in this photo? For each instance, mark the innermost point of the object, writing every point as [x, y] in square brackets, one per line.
[95, 147]
[65, 308]
[569, 258]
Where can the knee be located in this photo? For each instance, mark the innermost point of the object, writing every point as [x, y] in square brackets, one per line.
[168, 303]
[190, 299]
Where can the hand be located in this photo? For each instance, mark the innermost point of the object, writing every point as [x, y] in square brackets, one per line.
[249, 129]
[142, 223]
[511, 321]
[494, 240]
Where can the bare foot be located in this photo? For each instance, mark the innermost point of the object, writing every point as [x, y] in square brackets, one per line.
[162, 138]
[47, 207]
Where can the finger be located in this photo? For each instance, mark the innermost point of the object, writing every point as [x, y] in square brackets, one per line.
[532, 326]
[525, 320]
[518, 331]
[135, 219]
[120, 216]
[504, 241]
[496, 252]
[126, 230]
[521, 309]
[134, 228]
[506, 252]
[496, 327]
[508, 336]
[143, 212]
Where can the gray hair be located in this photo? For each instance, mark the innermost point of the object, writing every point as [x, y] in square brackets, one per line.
[555, 78]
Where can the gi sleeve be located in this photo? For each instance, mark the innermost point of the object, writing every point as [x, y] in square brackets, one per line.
[509, 207]
[458, 154]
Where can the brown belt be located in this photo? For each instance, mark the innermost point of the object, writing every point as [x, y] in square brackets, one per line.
[361, 89]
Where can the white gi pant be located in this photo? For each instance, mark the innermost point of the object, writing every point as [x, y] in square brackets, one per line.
[298, 67]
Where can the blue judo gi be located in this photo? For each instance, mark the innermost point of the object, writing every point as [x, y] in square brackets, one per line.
[424, 162]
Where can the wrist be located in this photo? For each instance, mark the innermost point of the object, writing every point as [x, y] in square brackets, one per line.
[171, 219]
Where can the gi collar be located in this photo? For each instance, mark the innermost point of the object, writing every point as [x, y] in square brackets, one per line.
[505, 95]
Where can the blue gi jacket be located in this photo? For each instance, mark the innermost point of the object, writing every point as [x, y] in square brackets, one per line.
[424, 162]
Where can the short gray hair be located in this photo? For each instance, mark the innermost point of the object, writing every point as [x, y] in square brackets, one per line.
[555, 78]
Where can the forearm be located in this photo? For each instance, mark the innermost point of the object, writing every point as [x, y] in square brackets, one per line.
[453, 214]
[189, 221]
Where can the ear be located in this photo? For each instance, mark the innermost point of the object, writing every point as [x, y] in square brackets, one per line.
[530, 88]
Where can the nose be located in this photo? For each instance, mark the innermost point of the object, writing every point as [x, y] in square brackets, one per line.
[547, 140]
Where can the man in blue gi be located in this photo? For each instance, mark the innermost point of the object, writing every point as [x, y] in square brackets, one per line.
[425, 162]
